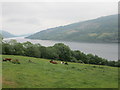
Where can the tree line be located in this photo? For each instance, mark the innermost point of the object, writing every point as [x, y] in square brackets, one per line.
[59, 52]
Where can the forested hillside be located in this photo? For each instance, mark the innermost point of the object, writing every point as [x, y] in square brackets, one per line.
[103, 29]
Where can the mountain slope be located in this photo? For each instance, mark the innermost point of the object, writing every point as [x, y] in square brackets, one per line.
[6, 34]
[103, 29]
[24, 35]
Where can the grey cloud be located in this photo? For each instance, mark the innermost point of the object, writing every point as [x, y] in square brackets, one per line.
[21, 20]
[31, 17]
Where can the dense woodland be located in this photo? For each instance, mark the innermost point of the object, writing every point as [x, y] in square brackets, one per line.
[59, 52]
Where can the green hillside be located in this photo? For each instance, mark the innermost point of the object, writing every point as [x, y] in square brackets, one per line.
[103, 29]
[42, 74]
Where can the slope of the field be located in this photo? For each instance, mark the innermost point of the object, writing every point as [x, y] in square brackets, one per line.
[42, 74]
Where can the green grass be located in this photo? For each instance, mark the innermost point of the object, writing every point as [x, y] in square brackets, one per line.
[42, 74]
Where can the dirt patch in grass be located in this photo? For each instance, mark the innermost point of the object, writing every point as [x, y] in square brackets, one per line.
[8, 83]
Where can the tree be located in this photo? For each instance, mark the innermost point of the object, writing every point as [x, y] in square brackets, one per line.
[63, 51]
[111, 63]
[59, 51]
[36, 50]
[51, 53]
[7, 49]
[12, 42]
[43, 51]
[19, 49]
[32, 49]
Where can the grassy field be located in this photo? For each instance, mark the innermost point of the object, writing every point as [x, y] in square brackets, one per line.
[42, 74]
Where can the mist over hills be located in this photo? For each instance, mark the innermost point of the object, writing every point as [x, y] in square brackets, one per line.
[24, 35]
[103, 29]
[6, 34]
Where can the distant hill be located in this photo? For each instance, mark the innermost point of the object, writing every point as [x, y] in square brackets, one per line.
[6, 34]
[24, 35]
[103, 29]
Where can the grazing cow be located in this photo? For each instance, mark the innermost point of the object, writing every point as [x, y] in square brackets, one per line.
[62, 63]
[4, 60]
[66, 63]
[13, 61]
[7, 59]
[16, 61]
[53, 62]
[30, 61]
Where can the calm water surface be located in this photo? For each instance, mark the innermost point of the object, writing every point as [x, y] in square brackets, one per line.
[107, 51]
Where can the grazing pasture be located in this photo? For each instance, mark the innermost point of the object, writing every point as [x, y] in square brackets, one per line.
[40, 73]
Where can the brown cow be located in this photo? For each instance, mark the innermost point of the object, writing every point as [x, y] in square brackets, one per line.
[7, 59]
[53, 62]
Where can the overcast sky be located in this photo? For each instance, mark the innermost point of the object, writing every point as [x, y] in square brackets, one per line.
[21, 18]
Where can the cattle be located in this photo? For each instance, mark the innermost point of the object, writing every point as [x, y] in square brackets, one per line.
[66, 63]
[15, 61]
[62, 63]
[53, 62]
[30, 61]
[4, 60]
[7, 59]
